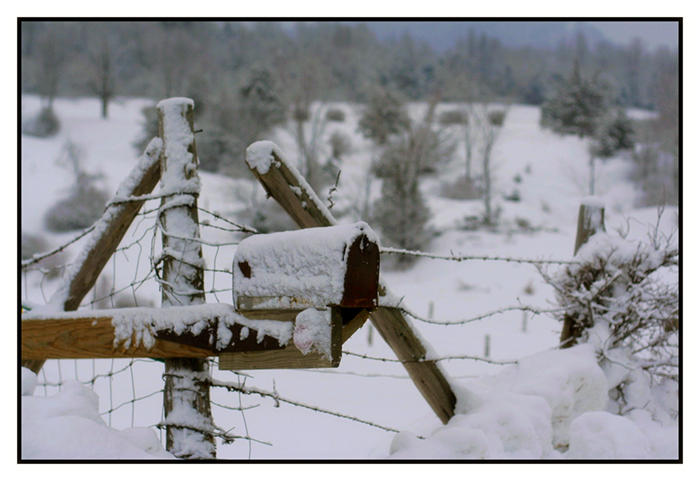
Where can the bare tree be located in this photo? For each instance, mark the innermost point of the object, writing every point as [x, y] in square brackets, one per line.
[488, 123]
[52, 58]
[101, 65]
[306, 82]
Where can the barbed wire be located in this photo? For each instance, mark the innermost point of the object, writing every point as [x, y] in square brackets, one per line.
[461, 258]
[230, 386]
[531, 309]
[437, 359]
[218, 235]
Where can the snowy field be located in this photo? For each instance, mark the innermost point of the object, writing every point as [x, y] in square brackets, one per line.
[551, 405]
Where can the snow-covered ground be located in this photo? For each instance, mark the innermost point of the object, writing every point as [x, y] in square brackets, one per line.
[550, 405]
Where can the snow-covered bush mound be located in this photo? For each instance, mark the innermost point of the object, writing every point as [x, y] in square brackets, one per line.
[68, 426]
[550, 405]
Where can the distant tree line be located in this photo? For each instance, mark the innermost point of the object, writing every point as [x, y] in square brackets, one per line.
[249, 77]
[332, 60]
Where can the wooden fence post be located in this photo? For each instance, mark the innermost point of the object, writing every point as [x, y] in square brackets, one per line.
[116, 221]
[591, 219]
[188, 419]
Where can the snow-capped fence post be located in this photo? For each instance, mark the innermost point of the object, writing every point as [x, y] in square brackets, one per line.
[108, 233]
[591, 219]
[284, 183]
[188, 419]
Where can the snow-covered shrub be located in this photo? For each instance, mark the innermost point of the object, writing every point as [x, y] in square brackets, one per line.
[33, 245]
[84, 204]
[149, 129]
[401, 213]
[453, 117]
[497, 117]
[77, 211]
[622, 297]
[335, 115]
[384, 117]
[43, 125]
[268, 217]
[340, 144]
[463, 188]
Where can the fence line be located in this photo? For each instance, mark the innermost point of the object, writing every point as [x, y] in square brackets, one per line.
[212, 224]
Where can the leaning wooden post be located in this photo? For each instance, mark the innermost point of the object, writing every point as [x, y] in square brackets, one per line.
[591, 219]
[284, 183]
[186, 400]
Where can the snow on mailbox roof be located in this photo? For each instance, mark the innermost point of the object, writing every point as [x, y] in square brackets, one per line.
[297, 269]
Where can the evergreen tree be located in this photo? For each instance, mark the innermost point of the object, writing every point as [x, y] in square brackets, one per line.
[384, 116]
[401, 212]
[582, 107]
[576, 108]
[260, 102]
[615, 134]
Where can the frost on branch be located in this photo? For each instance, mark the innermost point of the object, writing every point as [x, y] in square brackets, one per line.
[623, 299]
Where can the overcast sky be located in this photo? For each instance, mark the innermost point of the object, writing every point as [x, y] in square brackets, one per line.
[654, 34]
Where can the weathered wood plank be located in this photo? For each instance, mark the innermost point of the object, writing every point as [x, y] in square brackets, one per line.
[92, 337]
[89, 338]
[288, 315]
[290, 357]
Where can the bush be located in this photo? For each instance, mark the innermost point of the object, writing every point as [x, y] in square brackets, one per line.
[335, 115]
[453, 117]
[78, 211]
[301, 113]
[461, 189]
[497, 118]
[401, 213]
[340, 145]
[384, 116]
[622, 297]
[149, 129]
[46, 124]
[32, 245]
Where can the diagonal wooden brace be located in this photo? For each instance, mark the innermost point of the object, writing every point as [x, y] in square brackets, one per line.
[284, 183]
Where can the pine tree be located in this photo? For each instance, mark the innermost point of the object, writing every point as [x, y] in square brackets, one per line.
[260, 102]
[577, 107]
[401, 212]
[384, 116]
[615, 134]
[582, 107]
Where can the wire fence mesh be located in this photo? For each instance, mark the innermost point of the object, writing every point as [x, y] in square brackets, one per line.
[131, 390]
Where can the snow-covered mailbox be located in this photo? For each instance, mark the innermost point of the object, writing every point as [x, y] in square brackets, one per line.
[317, 278]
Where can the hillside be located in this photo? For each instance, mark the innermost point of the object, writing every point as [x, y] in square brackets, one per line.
[535, 409]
